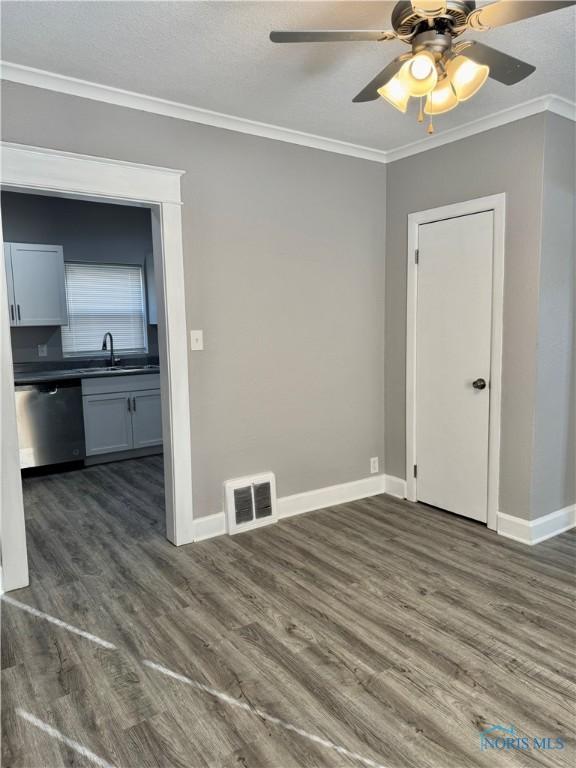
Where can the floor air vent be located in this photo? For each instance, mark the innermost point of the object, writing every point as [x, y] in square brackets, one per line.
[250, 502]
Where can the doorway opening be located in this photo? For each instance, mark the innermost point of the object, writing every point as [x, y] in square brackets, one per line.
[39, 172]
[454, 356]
[84, 341]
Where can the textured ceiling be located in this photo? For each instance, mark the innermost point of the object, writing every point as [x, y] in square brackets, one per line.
[216, 55]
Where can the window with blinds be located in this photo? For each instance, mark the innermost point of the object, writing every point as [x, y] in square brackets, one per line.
[101, 298]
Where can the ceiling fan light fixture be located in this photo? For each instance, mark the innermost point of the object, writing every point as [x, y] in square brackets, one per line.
[419, 75]
[395, 93]
[441, 99]
[466, 76]
[430, 28]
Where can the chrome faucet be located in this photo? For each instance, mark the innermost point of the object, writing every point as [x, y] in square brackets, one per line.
[105, 347]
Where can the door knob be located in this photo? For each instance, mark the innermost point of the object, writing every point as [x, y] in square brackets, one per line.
[479, 384]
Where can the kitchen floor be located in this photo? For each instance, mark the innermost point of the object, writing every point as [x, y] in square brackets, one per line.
[376, 633]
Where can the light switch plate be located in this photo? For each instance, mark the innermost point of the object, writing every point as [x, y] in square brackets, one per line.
[196, 341]
[42, 350]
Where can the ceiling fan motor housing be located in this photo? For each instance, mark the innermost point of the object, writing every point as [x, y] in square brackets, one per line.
[436, 43]
[406, 21]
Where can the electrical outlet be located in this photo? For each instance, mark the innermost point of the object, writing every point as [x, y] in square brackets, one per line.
[374, 465]
[196, 341]
[42, 350]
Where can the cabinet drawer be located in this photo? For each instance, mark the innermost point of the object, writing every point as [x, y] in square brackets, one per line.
[110, 384]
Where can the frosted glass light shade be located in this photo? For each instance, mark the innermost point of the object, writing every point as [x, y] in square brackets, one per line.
[466, 76]
[441, 99]
[395, 93]
[418, 74]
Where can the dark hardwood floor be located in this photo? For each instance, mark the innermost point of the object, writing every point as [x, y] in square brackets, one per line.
[376, 633]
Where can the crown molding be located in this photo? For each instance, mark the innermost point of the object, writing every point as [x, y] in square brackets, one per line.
[549, 102]
[38, 78]
[72, 86]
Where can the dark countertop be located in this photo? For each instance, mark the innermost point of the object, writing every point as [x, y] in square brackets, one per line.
[30, 373]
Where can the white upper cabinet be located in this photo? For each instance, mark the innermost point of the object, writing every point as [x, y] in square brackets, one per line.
[36, 285]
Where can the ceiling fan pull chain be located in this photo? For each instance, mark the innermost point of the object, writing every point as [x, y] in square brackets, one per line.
[430, 128]
[421, 112]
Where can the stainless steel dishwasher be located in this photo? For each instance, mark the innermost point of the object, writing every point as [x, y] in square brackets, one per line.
[50, 423]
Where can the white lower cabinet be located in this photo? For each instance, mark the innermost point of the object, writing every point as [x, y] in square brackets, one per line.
[146, 419]
[123, 420]
[107, 423]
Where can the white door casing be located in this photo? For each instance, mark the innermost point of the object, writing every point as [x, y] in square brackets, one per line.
[45, 171]
[452, 426]
[12, 528]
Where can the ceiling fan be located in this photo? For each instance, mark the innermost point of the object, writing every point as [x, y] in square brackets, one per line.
[439, 70]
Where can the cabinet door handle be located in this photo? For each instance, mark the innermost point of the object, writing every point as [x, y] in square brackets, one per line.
[12, 312]
[18, 310]
[134, 404]
[129, 404]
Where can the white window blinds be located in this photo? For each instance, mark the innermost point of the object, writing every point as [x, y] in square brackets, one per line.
[101, 298]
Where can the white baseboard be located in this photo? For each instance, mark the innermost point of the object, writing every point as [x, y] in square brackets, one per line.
[525, 531]
[215, 525]
[332, 494]
[209, 526]
[395, 486]
[535, 531]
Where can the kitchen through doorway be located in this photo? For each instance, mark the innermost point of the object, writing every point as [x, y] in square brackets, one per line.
[84, 336]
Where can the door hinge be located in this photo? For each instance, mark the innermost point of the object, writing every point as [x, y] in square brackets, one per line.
[416, 256]
[415, 470]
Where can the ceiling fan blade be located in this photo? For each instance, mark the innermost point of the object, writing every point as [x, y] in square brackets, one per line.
[332, 36]
[509, 11]
[503, 68]
[370, 92]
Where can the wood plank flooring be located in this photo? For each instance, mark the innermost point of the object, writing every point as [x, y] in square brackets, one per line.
[376, 633]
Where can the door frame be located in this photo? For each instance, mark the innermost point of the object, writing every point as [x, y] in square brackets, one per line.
[497, 204]
[38, 170]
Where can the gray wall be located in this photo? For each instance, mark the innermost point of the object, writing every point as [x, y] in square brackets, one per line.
[284, 268]
[284, 251]
[88, 232]
[507, 159]
[553, 481]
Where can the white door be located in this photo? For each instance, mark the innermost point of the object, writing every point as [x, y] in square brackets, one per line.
[146, 418]
[453, 337]
[39, 284]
